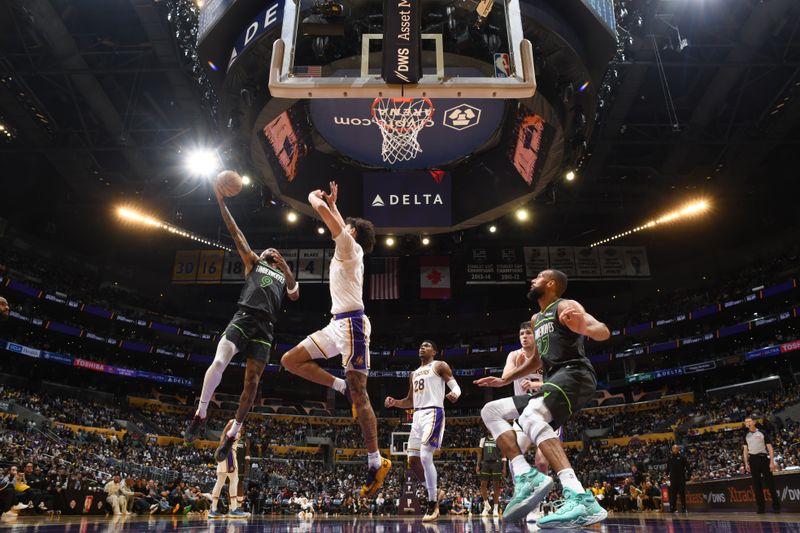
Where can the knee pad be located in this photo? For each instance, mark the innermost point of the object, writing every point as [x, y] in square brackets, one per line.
[493, 418]
[534, 422]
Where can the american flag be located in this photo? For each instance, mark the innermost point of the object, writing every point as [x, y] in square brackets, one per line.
[384, 279]
[311, 71]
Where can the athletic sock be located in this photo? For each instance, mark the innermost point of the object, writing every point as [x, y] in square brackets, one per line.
[339, 385]
[520, 466]
[570, 481]
[374, 459]
[202, 409]
[235, 427]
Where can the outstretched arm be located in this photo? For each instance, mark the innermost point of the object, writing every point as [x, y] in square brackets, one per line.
[574, 316]
[512, 372]
[249, 257]
[321, 203]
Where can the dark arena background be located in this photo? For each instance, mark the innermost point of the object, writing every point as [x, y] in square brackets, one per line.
[647, 149]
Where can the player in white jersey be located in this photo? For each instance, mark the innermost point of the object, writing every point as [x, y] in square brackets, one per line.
[426, 394]
[348, 331]
[227, 470]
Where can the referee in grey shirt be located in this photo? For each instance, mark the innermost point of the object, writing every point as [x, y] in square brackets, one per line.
[759, 460]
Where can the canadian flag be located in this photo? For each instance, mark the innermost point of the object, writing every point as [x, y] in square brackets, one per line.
[434, 278]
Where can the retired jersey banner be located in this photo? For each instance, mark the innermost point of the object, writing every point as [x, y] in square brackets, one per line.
[434, 278]
[562, 258]
[310, 265]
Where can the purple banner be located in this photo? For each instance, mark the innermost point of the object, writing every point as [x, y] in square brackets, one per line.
[777, 289]
[97, 311]
[769, 351]
[63, 328]
[662, 346]
[21, 287]
[636, 328]
[137, 346]
[705, 311]
[732, 330]
[164, 328]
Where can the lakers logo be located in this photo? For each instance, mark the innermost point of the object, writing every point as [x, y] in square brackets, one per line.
[266, 281]
[359, 360]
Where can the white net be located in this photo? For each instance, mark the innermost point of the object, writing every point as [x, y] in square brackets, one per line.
[400, 121]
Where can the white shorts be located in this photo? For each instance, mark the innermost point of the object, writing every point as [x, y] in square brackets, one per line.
[427, 427]
[346, 336]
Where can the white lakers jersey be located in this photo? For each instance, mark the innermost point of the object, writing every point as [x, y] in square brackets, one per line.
[518, 356]
[428, 387]
[347, 275]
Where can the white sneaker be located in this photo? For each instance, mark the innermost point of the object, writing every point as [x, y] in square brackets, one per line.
[486, 510]
[495, 511]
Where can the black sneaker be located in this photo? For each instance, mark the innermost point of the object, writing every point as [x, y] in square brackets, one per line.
[196, 427]
[222, 451]
[431, 512]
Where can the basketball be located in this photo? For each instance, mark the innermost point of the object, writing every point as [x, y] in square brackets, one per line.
[229, 183]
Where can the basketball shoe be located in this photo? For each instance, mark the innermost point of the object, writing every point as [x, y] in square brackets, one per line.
[529, 489]
[375, 477]
[196, 427]
[222, 451]
[579, 509]
[432, 512]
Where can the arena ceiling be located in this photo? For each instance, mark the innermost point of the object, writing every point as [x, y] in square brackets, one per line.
[102, 102]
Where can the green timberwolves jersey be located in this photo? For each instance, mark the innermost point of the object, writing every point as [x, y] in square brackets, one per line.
[557, 344]
[263, 290]
[490, 452]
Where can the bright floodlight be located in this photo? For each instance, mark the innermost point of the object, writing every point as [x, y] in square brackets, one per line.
[570, 175]
[246, 180]
[321, 230]
[492, 229]
[389, 241]
[426, 241]
[522, 215]
[203, 162]
[292, 217]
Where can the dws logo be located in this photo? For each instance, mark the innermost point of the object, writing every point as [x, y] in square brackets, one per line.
[461, 117]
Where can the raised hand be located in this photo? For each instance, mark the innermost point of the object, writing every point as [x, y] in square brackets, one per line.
[389, 402]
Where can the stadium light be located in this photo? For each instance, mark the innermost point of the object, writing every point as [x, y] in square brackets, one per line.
[689, 210]
[522, 215]
[246, 180]
[570, 176]
[321, 230]
[425, 241]
[492, 229]
[390, 241]
[203, 162]
[291, 217]
[134, 216]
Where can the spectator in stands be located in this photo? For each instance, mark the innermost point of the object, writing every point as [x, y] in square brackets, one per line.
[4, 309]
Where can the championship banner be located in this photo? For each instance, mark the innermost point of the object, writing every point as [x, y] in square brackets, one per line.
[587, 262]
[495, 266]
[402, 59]
[563, 259]
[536, 260]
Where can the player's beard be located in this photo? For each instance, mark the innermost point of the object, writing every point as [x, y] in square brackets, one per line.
[534, 294]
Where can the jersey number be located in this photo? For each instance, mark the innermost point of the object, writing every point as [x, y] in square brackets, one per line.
[419, 385]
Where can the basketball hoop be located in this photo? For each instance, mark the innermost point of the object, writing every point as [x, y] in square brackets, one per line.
[400, 121]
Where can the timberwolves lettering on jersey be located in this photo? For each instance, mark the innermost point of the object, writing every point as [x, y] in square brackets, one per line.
[557, 344]
[428, 387]
[489, 451]
[263, 290]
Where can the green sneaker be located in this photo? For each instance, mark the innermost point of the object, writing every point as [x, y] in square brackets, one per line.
[578, 509]
[529, 489]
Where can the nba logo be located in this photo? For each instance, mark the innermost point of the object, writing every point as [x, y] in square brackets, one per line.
[502, 65]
